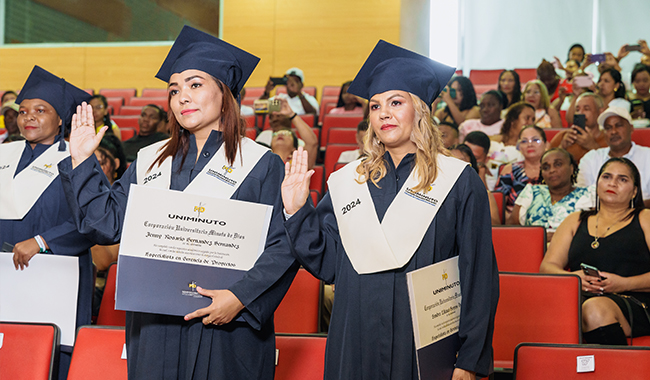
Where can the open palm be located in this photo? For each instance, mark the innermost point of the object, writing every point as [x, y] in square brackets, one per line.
[295, 187]
[83, 139]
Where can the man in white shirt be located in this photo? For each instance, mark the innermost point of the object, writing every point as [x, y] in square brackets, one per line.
[300, 102]
[616, 122]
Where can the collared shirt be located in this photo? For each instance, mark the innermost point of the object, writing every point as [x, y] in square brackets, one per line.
[296, 104]
[592, 161]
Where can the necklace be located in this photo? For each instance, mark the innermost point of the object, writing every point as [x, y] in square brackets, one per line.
[595, 244]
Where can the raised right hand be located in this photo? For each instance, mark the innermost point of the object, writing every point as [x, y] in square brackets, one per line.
[83, 139]
[295, 187]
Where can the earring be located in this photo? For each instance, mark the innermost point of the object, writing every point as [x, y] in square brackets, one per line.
[597, 204]
[632, 203]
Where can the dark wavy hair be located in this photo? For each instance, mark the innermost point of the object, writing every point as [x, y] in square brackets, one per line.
[469, 95]
[340, 103]
[233, 128]
[107, 117]
[466, 150]
[5, 94]
[572, 162]
[516, 91]
[616, 76]
[513, 114]
[638, 199]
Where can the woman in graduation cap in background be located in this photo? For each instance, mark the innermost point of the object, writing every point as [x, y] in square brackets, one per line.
[34, 215]
[370, 334]
[202, 73]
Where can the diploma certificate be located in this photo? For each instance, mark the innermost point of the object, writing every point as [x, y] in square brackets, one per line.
[435, 299]
[173, 242]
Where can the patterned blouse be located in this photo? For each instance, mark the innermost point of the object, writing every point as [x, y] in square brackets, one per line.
[536, 208]
[512, 183]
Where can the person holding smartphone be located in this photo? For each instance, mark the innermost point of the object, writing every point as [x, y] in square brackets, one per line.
[613, 240]
[301, 103]
[585, 134]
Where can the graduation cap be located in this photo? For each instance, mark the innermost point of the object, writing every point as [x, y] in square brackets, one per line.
[61, 95]
[390, 67]
[197, 50]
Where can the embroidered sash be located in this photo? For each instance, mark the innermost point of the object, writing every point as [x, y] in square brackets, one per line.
[372, 246]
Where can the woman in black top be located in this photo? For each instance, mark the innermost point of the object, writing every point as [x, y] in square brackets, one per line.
[614, 237]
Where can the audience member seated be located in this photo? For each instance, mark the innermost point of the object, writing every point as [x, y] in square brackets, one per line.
[514, 177]
[614, 239]
[641, 84]
[348, 103]
[576, 52]
[464, 153]
[535, 94]
[245, 110]
[579, 141]
[351, 155]
[610, 87]
[492, 103]
[284, 142]
[300, 102]
[510, 85]
[479, 143]
[8, 96]
[9, 112]
[548, 204]
[460, 99]
[101, 115]
[617, 125]
[565, 88]
[115, 148]
[547, 75]
[449, 133]
[148, 134]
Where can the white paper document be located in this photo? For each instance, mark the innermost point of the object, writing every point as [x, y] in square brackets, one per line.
[46, 291]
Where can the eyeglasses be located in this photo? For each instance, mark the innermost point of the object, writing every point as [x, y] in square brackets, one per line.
[534, 140]
[283, 132]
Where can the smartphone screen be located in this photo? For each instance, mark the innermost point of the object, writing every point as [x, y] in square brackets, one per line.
[279, 81]
[633, 48]
[583, 81]
[452, 93]
[598, 58]
[579, 120]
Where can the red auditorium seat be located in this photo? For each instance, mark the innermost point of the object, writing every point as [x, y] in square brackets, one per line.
[499, 199]
[90, 91]
[490, 77]
[316, 182]
[316, 131]
[334, 91]
[251, 133]
[130, 110]
[250, 121]
[126, 93]
[481, 89]
[639, 341]
[160, 102]
[519, 248]
[28, 350]
[127, 133]
[338, 121]
[248, 102]
[332, 154]
[551, 132]
[130, 121]
[154, 93]
[315, 196]
[458, 73]
[98, 353]
[115, 103]
[254, 92]
[108, 316]
[534, 361]
[537, 308]
[300, 357]
[641, 136]
[342, 136]
[326, 104]
[299, 310]
[526, 75]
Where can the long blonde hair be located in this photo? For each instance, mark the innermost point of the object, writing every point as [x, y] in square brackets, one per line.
[427, 139]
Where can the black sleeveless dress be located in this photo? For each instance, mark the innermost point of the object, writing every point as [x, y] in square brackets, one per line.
[624, 253]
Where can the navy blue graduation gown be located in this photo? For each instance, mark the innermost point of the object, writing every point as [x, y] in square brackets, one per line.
[50, 218]
[168, 347]
[370, 334]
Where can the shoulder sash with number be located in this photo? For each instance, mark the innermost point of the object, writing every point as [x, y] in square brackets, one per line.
[19, 193]
[217, 178]
[372, 246]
